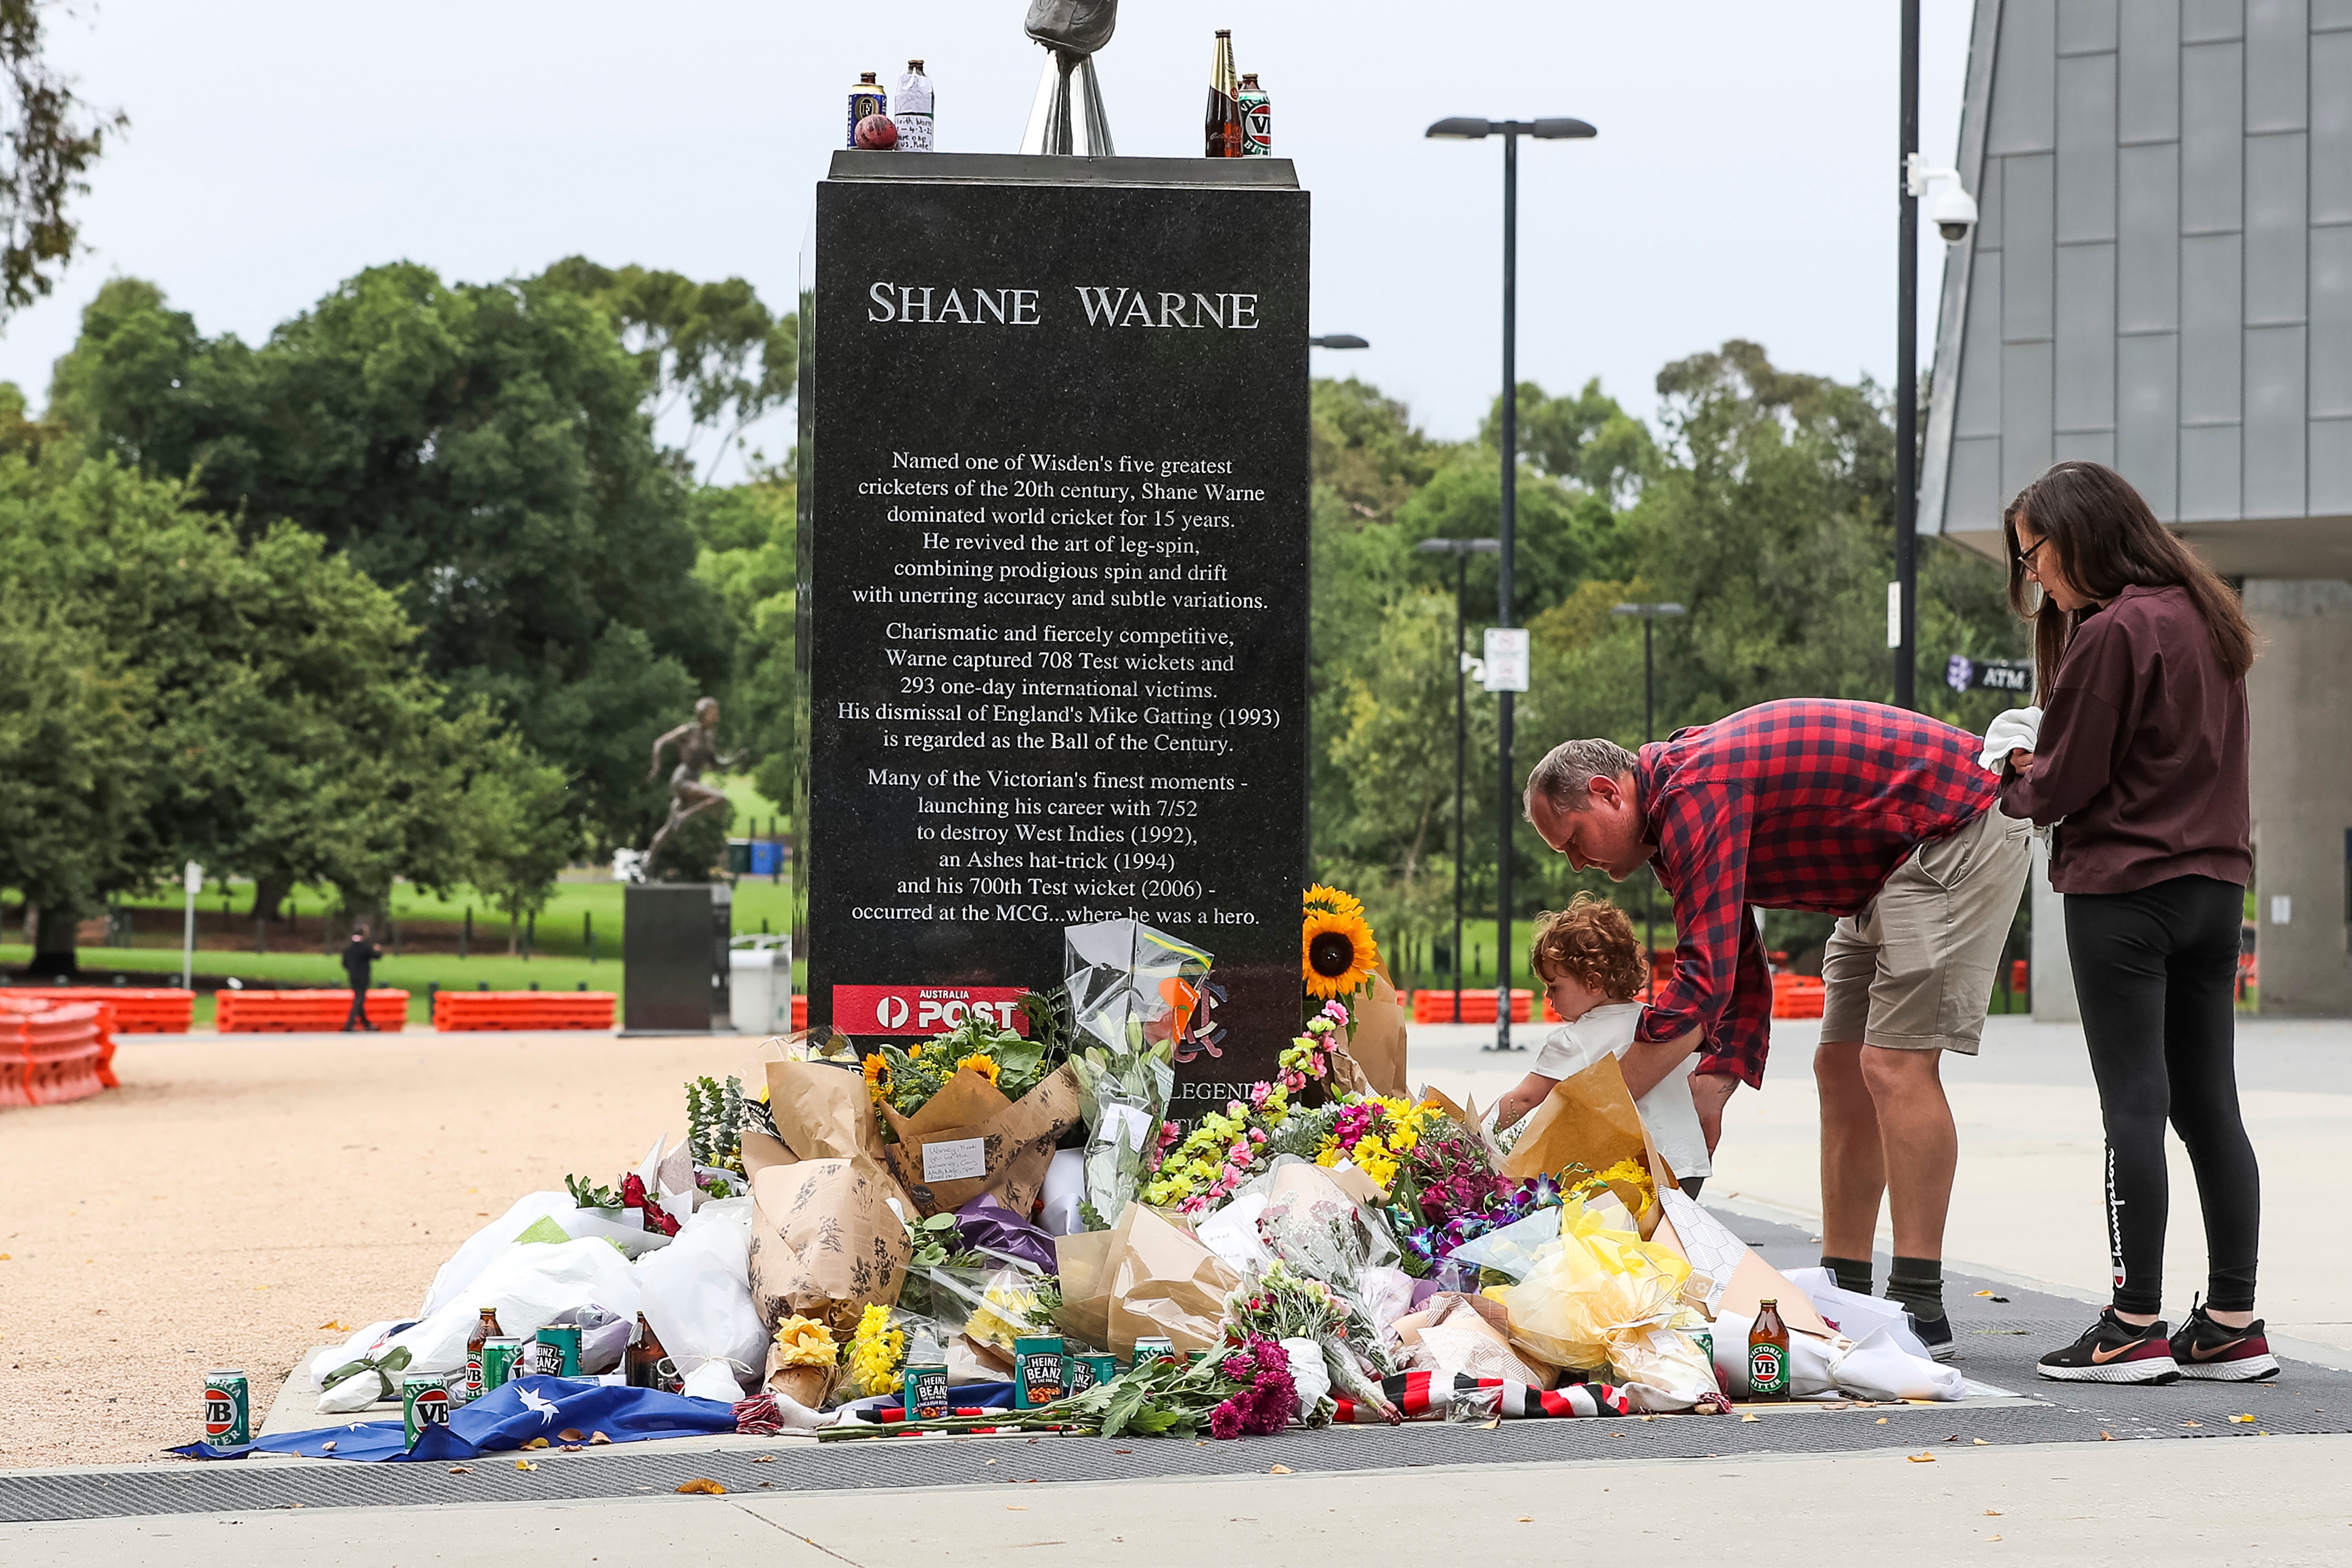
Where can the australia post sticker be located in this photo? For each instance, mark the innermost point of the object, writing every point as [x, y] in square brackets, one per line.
[955, 1159]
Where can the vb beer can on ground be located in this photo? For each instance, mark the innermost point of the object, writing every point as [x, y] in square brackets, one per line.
[1040, 1371]
[1151, 1348]
[424, 1402]
[502, 1361]
[559, 1351]
[228, 1410]
[1085, 1371]
[1705, 1340]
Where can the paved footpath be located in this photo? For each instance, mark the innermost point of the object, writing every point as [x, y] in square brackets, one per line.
[2204, 1504]
[2028, 1205]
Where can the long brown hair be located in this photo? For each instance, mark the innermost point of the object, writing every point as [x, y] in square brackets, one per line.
[2107, 539]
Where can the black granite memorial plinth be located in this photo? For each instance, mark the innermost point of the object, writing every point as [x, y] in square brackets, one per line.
[1053, 582]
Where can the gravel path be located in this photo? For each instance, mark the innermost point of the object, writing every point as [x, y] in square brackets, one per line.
[238, 1194]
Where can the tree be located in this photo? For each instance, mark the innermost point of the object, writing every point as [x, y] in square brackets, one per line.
[518, 834]
[479, 451]
[712, 348]
[278, 722]
[48, 139]
[748, 535]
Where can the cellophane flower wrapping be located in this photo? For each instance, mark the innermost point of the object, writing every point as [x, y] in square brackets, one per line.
[1281, 1303]
[1323, 1233]
[1123, 1094]
[1596, 1290]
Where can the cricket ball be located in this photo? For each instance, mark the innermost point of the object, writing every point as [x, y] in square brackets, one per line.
[877, 132]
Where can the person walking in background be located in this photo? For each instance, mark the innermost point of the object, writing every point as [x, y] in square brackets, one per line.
[1882, 816]
[360, 954]
[2140, 767]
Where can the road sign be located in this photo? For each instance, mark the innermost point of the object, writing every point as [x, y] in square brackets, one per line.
[1506, 659]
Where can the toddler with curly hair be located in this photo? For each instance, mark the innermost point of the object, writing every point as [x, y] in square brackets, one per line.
[1591, 967]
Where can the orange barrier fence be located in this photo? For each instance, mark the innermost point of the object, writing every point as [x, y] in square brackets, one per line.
[1797, 995]
[1477, 1007]
[457, 1010]
[51, 1053]
[138, 1009]
[303, 1012]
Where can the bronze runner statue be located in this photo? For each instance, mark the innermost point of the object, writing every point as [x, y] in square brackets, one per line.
[688, 795]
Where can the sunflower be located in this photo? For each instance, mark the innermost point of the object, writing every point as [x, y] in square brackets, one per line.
[1331, 898]
[877, 1079]
[981, 1064]
[1336, 953]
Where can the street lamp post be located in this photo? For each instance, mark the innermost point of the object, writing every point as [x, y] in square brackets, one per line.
[1461, 550]
[1464, 128]
[1903, 627]
[1649, 614]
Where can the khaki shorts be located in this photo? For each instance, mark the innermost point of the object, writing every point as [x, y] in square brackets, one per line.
[1914, 971]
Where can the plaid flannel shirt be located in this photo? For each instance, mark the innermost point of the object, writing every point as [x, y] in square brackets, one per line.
[1809, 804]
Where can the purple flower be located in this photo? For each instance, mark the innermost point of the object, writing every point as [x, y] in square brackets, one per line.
[1238, 1369]
[1270, 1355]
[1225, 1421]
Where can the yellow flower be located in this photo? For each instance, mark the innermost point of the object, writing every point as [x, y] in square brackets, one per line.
[1322, 897]
[875, 1351]
[805, 1342]
[913, 1052]
[983, 1064]
[1336, 953]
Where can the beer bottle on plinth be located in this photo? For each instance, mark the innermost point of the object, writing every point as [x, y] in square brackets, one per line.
[1257, 119]
[1767, 1353]
[1221, 127]
[485, 1329]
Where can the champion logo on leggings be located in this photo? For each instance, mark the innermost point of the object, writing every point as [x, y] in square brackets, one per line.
[2114, 1220]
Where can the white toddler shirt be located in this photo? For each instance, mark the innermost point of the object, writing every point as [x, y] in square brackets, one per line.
[1667, 1109]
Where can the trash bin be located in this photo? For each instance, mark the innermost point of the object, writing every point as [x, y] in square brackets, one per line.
[759, 985]
[738, 857]
[767, 857]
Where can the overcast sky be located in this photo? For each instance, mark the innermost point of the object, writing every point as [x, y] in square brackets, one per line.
[1742, 185]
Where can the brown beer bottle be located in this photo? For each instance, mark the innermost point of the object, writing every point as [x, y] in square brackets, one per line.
[1221, 127]
[486, 1329]
[642, 1366]
[1767, 1353]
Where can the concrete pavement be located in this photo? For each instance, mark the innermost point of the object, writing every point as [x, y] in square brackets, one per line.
[2233, 1501]
[2027, 1204]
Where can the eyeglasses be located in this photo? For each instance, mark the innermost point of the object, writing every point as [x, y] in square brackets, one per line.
[2025, 555]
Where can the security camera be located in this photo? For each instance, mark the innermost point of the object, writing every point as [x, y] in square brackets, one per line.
[1950, 208]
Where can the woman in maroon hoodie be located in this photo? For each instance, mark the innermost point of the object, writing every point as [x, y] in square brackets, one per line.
[2141, 653]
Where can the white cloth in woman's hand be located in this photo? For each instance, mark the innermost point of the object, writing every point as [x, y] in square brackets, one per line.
[2016, 730]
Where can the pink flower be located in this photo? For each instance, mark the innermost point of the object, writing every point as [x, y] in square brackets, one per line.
[1225, 1421]
[1257, 1135]
[1240, 1368]
[1258, 1093]
[1269, 1355]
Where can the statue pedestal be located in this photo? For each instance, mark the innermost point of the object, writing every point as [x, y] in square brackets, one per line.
[674, 964]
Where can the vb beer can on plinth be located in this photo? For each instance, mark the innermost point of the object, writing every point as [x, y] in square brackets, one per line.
[1085, 1371]
[228, 1410]
[559, 1351]
[502, 1362]
[424, 1402]
[1040, 1373]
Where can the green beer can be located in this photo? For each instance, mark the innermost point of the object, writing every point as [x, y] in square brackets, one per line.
[1152, 1347]
[1040, 1371]
[228, 1409]
[559, 1351]
[1085, 1371]
[502, 1362]
[424, 1402]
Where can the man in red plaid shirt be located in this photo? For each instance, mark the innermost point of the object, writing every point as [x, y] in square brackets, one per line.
[1881, 817]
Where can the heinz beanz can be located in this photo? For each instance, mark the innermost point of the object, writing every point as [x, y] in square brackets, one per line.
[228, 1409]
[926, 1393]
[559, 1351]
[1087, 1371]
[1040, 1371]
[424, 1402]
[502, 1362]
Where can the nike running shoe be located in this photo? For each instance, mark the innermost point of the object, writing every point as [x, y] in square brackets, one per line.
[2113, 1351]
[2203, 1348]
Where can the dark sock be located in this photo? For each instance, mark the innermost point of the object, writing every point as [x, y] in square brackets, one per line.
[1917, 1284]
[1852, 1273]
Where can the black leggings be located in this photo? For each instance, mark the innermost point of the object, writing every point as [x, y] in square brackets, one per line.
[2155, 971]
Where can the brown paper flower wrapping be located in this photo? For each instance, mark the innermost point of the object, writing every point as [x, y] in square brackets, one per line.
[1590, 1120]
[1016, 1136]
[824, 1244]
[1144, 1276]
